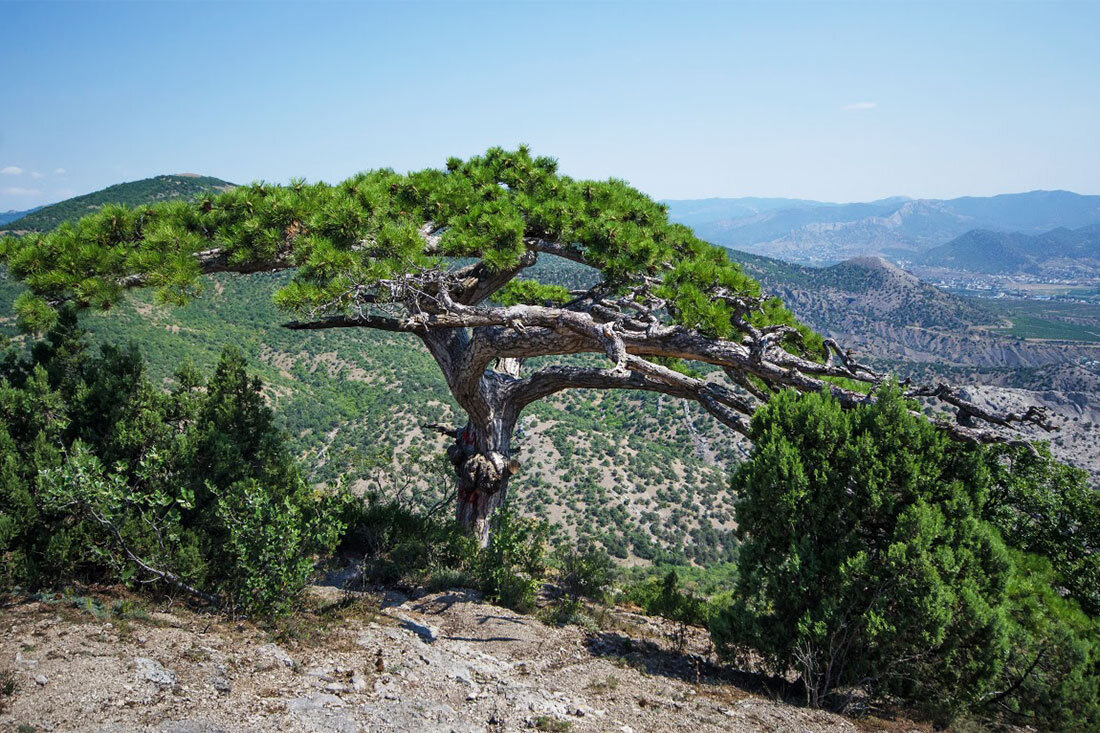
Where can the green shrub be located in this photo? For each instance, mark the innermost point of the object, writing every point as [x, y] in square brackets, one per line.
[400, 545]
[666, 597]
[270, 547]
[1050, 678]
[569, 611]
[860, 548]
[866, 564]
[584, 571]
[106, 478]
[1048, 508]
[511, 567]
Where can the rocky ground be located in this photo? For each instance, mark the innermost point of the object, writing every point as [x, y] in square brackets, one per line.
[441, 662]
[1075, 415]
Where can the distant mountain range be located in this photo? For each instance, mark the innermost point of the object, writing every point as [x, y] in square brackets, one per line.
[6, 216]
[815, 232]
[148, 190]
[1059, 253]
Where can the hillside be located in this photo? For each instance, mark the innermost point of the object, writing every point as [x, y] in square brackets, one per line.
[863, 289]
[823, 233]
[889, 313]
[1059, 253]
[148, 190]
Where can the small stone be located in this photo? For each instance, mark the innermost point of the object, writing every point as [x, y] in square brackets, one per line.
[41, 680]
[150, 670]
[336, 688]
[273, 651]
[22, 661]
[221, 684]
[358, 682]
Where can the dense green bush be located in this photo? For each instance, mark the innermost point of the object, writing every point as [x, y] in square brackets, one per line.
[583, 571]
[1048, 508]
[106, 477]
[866, 565]
[402, 545]
[511, 568]
[666, 596]
[399, 545]
[1051, 675]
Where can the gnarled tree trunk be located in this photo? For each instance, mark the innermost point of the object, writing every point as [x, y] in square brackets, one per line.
[483, 464]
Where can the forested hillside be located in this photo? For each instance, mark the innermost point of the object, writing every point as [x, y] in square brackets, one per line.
[148, 190]
[353, 401]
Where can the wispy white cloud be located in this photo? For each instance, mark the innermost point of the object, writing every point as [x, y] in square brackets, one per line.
[17, 191]
[859, 105]
[12, 170]
[36, 175]
[59, 171]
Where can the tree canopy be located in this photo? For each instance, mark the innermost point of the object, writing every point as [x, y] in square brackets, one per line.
[439, 253]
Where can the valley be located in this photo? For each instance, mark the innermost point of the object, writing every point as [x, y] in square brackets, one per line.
[1014, 352]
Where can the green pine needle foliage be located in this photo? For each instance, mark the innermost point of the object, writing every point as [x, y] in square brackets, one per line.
[365, 230]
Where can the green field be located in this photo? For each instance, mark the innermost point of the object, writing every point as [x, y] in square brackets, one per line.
[1047, 319]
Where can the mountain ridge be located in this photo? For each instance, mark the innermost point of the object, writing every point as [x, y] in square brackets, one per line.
[131, 193]
[898, 227]
[993, 252]
[16, 214]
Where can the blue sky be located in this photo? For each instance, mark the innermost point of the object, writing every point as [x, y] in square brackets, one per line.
[834, 101]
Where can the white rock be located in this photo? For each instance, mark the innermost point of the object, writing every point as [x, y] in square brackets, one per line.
[150, 670]
[425, 631]
[274, 651]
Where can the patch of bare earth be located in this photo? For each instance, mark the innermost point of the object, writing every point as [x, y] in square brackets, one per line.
[442, 662]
